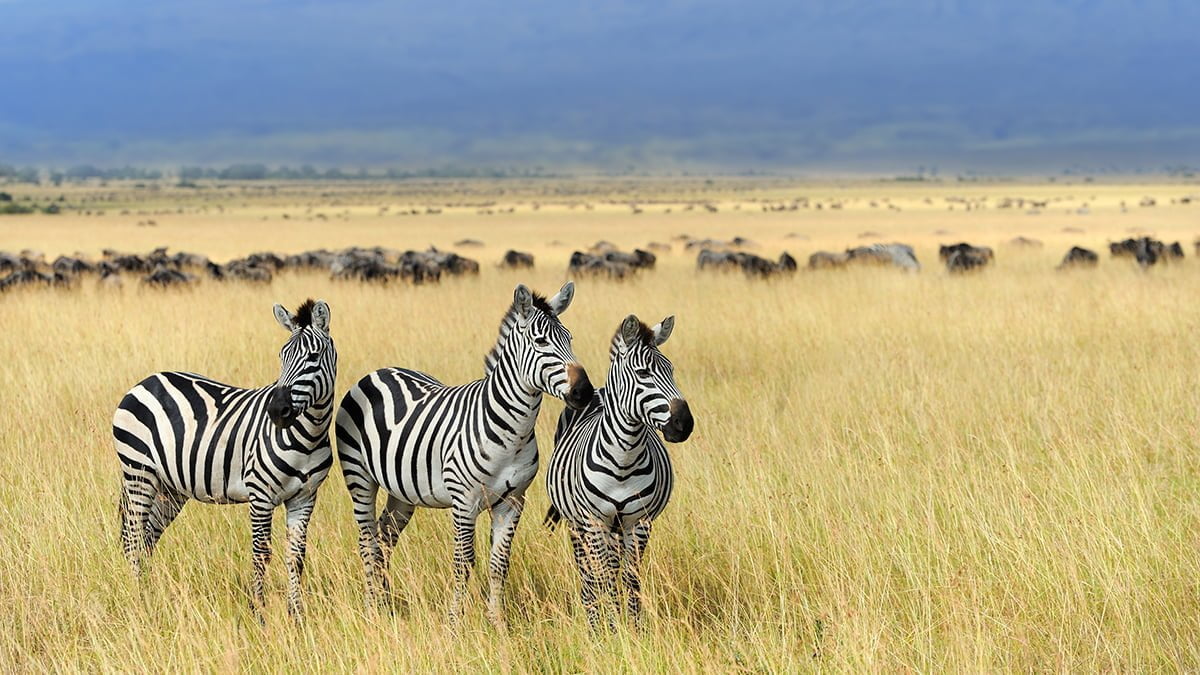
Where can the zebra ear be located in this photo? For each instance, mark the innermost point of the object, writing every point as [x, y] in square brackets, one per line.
[284, 318]
[560, 302]
[320, 315]
[630, 328]
[522, 301]
[663, 330]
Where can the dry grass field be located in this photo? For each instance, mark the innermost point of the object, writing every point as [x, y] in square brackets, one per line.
[889, 472]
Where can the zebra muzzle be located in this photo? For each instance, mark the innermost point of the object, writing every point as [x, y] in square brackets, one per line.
[580, 390]
[679, 427]
[280, 408]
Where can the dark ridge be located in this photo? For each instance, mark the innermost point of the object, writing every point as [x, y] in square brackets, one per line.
[644, 332]
[303, 317]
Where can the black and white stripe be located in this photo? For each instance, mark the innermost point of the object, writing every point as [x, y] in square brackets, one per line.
[181, 436]
[468, 448]
[609, 475]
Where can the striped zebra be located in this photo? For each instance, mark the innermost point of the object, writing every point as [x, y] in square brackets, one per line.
[181, 436]
[609, 474]
[468, 448]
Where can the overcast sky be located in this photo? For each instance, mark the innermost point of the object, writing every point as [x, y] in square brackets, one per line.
[749, 84]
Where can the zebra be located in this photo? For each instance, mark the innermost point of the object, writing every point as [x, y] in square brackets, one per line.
[610, 475]
[182, 436]
[469, 448]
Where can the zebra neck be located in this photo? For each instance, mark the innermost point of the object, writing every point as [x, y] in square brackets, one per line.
[309, 431]
[510, 406]
[622, 438]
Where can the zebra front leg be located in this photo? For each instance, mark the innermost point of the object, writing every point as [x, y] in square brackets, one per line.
[137, 497]
[589, 575]
[505, 516]
[464, 557]
[260, 536]
[635, 541]
[299, 512]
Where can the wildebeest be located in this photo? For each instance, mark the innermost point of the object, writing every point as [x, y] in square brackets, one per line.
[827, 260]
[750, 264]
[516, 260]
[25, 277]
[1079, 257]
[964, 257]
[1147, 251]
[163, 276]
[897, 255]
[639, 259]
[598, 265]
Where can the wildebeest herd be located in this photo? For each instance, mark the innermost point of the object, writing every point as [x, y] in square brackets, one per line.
[160, 268]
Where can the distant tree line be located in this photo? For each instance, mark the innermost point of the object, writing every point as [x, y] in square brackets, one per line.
[256, 171]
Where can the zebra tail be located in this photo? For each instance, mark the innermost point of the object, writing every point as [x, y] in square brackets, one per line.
[123, 508]
[553, 517]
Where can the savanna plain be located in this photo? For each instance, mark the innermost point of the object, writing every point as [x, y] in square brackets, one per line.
[890, 471]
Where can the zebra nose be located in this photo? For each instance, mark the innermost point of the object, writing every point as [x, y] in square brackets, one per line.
[581, 390]
[679, 427]
[279, 406]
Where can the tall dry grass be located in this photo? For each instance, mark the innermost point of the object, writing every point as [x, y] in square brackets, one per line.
[889, 472]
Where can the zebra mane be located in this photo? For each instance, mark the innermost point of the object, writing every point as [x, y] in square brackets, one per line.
[303, 317]
[645, 334]
[506, 324]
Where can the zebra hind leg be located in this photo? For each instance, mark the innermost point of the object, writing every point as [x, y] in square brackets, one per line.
[392, 521]
[163, 511]
[362, 493]
[137, 497]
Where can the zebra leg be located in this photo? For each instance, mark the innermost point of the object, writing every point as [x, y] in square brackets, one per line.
[299, 512]
[588, 565]
[464, 556]
[505, 517]
[362, 493]
[260, 535]
[635, 541]
[392, 521]
[137, 497]
[163, 511]
[606, 560]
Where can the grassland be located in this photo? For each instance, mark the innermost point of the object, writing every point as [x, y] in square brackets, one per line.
[889, 472]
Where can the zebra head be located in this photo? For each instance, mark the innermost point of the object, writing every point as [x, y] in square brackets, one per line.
[541, 346]
[641, 380]
[308, 363]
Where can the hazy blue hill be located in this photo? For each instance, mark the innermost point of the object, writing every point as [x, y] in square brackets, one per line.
[722, 83]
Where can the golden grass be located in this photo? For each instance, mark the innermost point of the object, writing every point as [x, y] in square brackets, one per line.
[889, 472]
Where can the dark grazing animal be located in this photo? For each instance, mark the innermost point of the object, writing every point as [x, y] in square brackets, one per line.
[964, 257]
[1147, 251]
[1079, 257]
[517, 260]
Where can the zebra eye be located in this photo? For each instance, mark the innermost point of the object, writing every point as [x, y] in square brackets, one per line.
[541, 342]
[643, 373]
